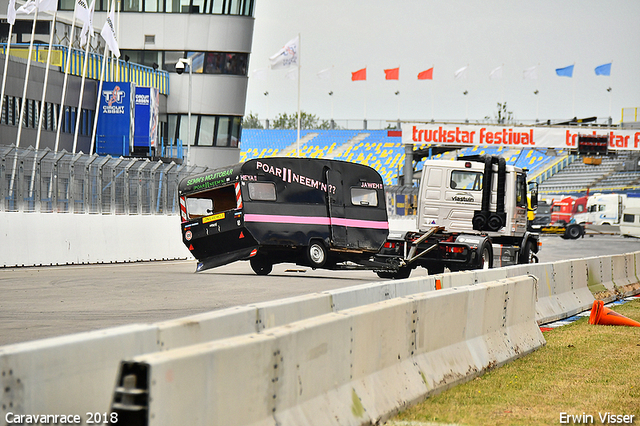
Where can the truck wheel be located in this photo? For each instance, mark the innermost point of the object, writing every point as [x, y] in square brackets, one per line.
[527, 254]
[573, 232]
[486, 257]
[260, 266]
[316, 254]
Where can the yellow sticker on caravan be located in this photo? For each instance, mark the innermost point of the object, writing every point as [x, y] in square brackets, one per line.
[212, 218]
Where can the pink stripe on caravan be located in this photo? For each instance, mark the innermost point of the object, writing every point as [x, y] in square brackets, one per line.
[315, 220]
[271, 218]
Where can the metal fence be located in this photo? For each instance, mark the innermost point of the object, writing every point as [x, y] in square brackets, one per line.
[46, 181]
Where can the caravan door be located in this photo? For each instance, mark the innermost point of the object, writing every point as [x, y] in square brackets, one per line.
[335, 207]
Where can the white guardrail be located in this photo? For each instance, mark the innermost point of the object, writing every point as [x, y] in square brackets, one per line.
[75, 374]
[34, 239]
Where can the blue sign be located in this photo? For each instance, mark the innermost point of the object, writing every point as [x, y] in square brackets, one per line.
[146, 117]
[116, 119]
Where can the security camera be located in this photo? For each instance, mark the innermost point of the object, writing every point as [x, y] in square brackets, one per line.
[180, 67]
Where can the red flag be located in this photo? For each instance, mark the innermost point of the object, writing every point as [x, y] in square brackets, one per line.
[359, 75]
[392, 74]
[426, 75]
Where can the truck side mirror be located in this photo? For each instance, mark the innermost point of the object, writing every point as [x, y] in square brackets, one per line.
[534, 197]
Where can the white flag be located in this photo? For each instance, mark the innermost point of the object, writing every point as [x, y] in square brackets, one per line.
[496, 74]
[324, 74]
[47, 5]
[292, 74]
[286, 56]
[108, 32]
[87, 26]
[82, 10]
[461, 73]
[531, 73]
[259, 74]
[11, 12]
[28, 7]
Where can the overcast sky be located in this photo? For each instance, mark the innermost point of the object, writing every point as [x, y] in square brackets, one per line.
[419, 34]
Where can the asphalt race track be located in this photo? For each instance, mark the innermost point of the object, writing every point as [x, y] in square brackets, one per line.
[40, 302]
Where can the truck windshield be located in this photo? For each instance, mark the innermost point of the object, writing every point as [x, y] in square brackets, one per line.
[211, 202]
[462, 179]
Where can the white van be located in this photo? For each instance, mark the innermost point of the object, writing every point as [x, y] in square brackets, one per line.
[605, 209]
[630, 224]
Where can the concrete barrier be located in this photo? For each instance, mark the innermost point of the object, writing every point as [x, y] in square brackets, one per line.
[599, 278]
[358, 366]
[33, 370]
[563, 290]
[33, 239]
[69, 374]
[349, 297]
[563, 287]
[623, 274]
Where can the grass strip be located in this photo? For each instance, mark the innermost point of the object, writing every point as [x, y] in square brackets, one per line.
[584, 370]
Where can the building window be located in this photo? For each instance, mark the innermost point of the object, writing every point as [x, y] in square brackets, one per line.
[222, 136]
[206, 130]
[209, 7]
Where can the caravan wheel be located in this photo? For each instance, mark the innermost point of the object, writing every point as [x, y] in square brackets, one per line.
[316, 254]
[260, 266]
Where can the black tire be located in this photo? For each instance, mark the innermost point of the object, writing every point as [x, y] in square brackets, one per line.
[527, 255]
[485, 257]
[260, 266]
[316, 254]
[573, 232]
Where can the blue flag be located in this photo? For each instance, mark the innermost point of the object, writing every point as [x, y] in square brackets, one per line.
[604, 69]
[565, 72]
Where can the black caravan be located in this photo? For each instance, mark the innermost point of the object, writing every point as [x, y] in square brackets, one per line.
[313, 212]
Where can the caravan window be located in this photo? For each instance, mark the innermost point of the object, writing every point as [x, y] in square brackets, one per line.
[210, 202]
[364, 197]
[629, 218]
[262, 191]
[462, 179]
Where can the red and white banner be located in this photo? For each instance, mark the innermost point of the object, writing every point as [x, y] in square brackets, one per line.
[515, 136]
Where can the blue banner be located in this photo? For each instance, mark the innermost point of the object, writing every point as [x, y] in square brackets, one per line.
[116, 119]
[146, 117]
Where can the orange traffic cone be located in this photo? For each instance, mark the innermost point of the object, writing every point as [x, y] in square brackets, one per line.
[605, 316]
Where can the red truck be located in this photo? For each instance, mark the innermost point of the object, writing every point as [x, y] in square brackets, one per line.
[562, 211]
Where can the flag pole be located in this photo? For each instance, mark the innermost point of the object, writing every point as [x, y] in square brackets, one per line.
[365, 101]
[64, 82]
[79, 110]
[299, 78]
[46, 79]
[22, 103]
[573, 84]
[433, 114]
[95, 118]
[109, 36]
[26, 78]
[42, 104]
[6, 63]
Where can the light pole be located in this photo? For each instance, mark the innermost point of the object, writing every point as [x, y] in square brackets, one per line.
[465, 93]
[182, 62]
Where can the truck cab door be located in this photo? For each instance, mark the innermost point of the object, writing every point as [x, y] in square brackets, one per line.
[520, 212]
[335, 207]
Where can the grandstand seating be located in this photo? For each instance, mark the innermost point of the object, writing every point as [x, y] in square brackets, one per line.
[385, 153]
[577, 177]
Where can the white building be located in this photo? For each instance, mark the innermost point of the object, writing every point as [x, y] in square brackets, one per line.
[215, 34]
